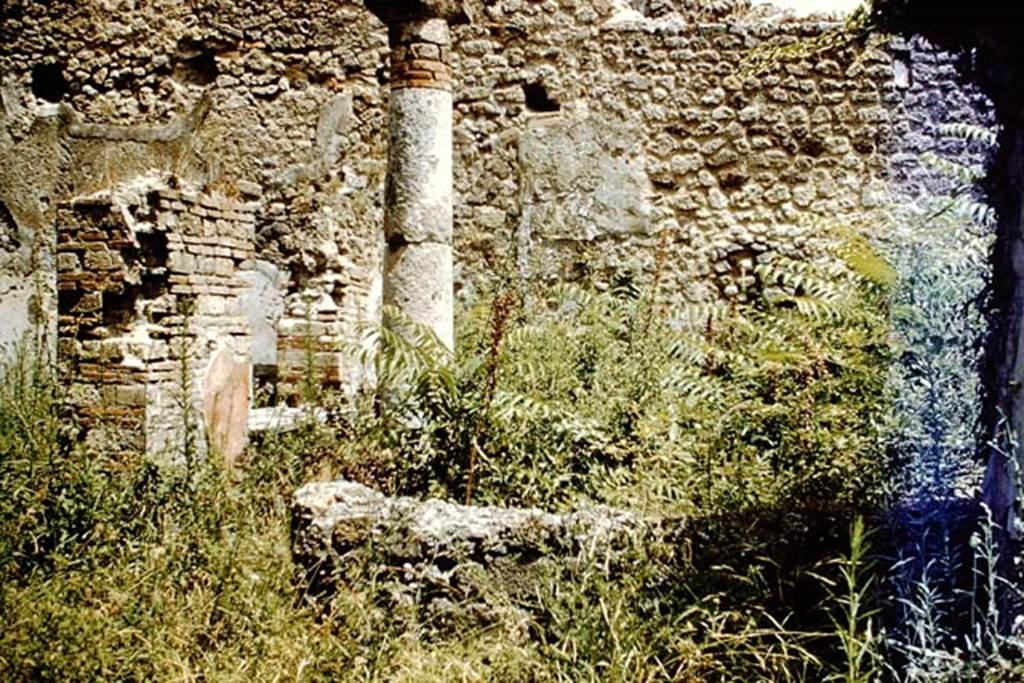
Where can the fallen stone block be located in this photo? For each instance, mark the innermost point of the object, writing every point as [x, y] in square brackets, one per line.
[445, 556]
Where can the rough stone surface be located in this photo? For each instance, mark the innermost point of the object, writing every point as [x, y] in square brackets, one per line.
[287, 103]
[436, 550]
[15, 311]
[418, 199]
[583, 179]
[418, 283]
[262, 303]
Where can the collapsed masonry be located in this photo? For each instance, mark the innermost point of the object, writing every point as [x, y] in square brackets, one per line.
[162, 323]
[444, 556]
[153, 345]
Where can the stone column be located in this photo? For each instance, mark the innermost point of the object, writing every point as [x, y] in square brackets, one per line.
[418, 193]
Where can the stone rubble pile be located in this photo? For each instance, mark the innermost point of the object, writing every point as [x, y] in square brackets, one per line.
[444, 555]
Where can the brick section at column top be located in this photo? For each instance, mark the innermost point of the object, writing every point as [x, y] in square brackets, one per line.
[420, 55]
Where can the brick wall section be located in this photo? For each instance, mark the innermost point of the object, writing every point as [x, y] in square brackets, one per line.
[92, 271]
[142, 287]
[421, 64]
[310, 353]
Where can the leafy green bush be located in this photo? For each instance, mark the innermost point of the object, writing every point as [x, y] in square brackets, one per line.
[947, 624]
[763, 423]
[616, 396]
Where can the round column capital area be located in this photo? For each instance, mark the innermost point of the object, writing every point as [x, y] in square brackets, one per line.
[398, 12]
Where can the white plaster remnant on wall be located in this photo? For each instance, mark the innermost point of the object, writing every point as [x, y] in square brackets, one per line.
[809, 7]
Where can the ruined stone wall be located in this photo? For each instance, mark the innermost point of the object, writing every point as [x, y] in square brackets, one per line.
[93, 94]
[599, 132]
[586, 133]
[152, 342]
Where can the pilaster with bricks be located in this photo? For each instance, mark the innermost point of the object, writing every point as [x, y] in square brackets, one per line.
[147, 296]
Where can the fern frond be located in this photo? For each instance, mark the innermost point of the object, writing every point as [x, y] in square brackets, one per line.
[867, 263]
[962, 173]
[971, 133]
[976, 212]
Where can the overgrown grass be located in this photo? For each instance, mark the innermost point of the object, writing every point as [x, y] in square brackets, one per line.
[763, 425]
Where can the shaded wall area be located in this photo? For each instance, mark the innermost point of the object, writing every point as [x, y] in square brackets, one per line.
[986, 30]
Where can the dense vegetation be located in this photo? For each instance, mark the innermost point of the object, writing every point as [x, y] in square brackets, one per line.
[773, 427]
[758, 421]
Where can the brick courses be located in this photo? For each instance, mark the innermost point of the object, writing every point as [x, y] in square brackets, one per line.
[141, 289]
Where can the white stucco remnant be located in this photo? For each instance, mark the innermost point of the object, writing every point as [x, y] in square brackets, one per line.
[808, 7]
[419, 283]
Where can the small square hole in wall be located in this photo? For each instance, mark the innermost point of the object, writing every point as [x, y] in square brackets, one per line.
[49, 83]
[119, 308]
[153, 250]
[902, 71]
[538, 100]
[196, 68]
[68, 300]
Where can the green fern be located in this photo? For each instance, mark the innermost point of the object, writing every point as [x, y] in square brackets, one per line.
[987, 138]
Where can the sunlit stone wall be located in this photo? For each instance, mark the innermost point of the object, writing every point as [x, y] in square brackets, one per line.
[585, 133]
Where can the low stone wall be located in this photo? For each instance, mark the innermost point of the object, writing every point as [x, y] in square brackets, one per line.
[151, 340]
[443, 556]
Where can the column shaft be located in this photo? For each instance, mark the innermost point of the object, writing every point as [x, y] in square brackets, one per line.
[418, 195]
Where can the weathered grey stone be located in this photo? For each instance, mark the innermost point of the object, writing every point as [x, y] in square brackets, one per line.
[249, 188]
[418, 281]
[584, 179]
[15, 312]
[262, 304]
[336, 118]
[179, 128]
[418, 196]
[430, 30]
[437, 550]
